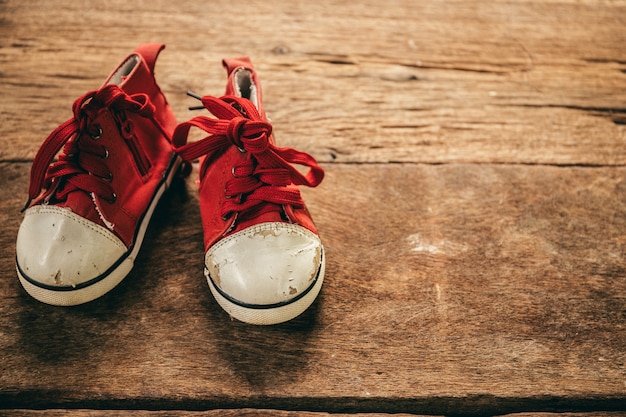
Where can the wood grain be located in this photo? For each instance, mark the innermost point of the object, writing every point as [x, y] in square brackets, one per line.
[256, 413]
[537, 82]
[473, 213]
[467, 288]
[212, 413]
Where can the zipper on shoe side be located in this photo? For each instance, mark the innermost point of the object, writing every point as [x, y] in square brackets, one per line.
[127, 131]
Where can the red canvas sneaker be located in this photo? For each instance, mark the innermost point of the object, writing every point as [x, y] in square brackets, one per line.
[264, 260]
[88, 212]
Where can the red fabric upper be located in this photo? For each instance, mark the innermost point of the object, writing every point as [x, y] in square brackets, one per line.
[116, 149]
[245, 179]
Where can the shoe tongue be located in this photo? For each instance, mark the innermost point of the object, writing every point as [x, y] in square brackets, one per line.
[133, 76]
[242, 83]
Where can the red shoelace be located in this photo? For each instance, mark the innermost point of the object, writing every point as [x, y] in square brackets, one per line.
[266, 176]
[80, 166]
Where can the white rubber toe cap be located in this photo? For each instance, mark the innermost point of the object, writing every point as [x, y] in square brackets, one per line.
[265, 266]
[57, 248]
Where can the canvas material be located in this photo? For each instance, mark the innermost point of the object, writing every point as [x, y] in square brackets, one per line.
[134, 188]
[215, 174]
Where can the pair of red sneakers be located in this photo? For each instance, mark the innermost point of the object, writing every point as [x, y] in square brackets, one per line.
[98, 177]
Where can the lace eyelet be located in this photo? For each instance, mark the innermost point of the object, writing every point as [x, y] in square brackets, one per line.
[106, 154]
[110, 178]
[112, 199]
[97, 135]
[232, 171]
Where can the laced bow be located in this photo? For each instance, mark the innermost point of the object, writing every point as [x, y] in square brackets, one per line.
[81, 162]
[267, 175]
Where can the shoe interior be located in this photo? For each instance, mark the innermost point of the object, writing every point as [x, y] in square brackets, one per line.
[245, 87]
[124, 70]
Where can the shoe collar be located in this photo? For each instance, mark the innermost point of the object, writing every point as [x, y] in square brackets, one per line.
[243, 81]
[136, 72]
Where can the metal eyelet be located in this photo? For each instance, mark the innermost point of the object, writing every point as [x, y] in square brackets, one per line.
[110, 178]
[232, 171]
[112, 199]
[106, 154]
[97, 135]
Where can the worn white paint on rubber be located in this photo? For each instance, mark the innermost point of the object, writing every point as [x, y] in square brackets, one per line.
[64, 259]
[266, 274]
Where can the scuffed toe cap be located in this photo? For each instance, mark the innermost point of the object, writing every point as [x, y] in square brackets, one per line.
[58, 248]
[265, 265]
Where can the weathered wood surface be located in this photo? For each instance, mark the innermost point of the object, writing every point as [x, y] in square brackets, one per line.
[416, 81]
[258, 413]
[228, 413]
[474, 210]
[460, 287]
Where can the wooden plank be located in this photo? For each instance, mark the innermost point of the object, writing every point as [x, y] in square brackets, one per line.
[485, 285]
[212, 413]
[532, 82]
[588, 414]
[254, 413]
[483, 289]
